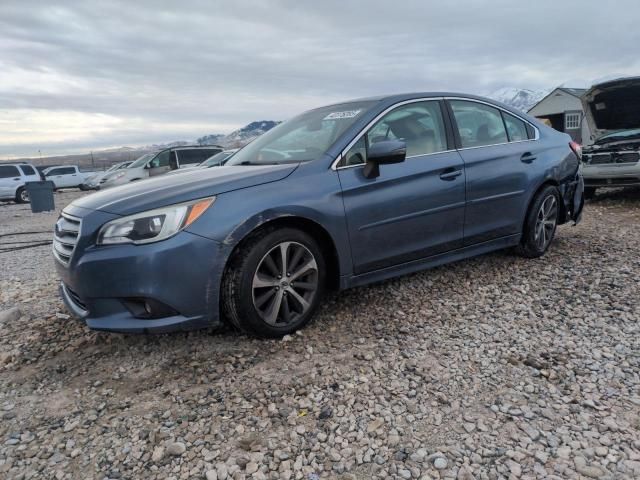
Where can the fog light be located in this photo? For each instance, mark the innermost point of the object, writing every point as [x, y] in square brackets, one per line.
[148, 308]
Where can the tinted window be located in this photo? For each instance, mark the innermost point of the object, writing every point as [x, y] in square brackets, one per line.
[419, 124]
[66, 171]
[53, 171]
[516, 128]
[478, 124]
[160, 160]
[27, 170]
[8, 171]
[190, 157]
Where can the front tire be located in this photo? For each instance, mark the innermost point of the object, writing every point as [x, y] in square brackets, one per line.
[274, 283]
[540, 224]
[22, 196]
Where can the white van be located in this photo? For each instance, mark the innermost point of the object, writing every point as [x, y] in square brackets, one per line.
[157, 163]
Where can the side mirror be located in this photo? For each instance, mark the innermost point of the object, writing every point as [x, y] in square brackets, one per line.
[381, 153]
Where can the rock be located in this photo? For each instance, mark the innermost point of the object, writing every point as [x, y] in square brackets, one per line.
[158, 453]
[211, 475]
[586, 470]
[10, 315]
[221, 470]
[375, 425]
[440, 463]
[176, 448]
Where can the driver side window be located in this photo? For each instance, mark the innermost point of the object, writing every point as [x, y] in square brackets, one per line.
[160, 160]
[419, 124]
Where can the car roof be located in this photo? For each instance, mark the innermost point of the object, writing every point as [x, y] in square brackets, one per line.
[189, 147]
[401, 97]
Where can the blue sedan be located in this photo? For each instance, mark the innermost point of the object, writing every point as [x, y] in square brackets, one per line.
[336, 197]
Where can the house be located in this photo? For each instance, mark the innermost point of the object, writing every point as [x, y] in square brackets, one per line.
[562, 110]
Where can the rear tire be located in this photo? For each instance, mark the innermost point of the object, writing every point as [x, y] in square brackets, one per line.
[22, 196]
[270, 294]
[540, 224]
[589, 193]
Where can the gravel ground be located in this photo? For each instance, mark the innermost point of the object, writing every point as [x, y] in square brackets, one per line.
[497, 367]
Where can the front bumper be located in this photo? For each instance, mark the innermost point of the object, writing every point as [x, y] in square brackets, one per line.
[611, 175]
[182, 273]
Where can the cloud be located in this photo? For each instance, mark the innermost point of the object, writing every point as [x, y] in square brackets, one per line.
[154, 69]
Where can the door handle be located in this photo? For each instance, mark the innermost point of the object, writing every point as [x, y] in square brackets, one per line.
[527, 157]
[450, 174]
[16, 179]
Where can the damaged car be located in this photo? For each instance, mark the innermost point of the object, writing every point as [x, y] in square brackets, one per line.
[337, 197]
[612, 110]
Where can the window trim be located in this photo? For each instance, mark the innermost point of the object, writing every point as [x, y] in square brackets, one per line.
[504, 114]
[576, 115]
[338, 159]
[365, 130]
[527, 122]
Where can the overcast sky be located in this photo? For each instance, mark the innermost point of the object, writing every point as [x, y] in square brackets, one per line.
[94, 74]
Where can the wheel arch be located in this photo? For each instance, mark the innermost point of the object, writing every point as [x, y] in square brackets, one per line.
[546, 183]
[325, 241]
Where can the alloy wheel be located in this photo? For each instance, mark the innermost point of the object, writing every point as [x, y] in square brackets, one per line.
[285, 283]
[546, 222]
[24, 196]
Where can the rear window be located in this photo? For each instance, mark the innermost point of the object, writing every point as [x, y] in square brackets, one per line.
[27, 170]
[478, 124]
[516, 128]
[8, 171]
[190, 157]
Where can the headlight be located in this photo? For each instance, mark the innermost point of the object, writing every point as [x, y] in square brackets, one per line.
[152, 225]
[116, 176]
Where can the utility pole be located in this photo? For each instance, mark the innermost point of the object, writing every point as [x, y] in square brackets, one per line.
[93, 165]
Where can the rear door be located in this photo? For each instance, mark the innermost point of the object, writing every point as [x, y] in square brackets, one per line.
[10, 180]
[414, 209]
[498, 151]
[30, 173]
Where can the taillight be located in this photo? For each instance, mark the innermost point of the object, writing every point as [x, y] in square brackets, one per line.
[576, 148]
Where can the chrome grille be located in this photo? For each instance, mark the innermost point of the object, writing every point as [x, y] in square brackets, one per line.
[65, 237]
[616, 157]
[599, 159]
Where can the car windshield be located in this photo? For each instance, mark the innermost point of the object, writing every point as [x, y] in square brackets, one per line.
[140, 162]
[303, 138]
[216, 159]
[124, 165]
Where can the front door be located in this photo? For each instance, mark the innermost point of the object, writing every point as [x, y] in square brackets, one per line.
[414, 209]
[498, 152]
[160, 163]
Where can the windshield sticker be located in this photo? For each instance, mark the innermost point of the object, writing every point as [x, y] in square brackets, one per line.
[339, 115]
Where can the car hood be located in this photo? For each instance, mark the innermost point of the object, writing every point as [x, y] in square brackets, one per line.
[613, 106]
[163, 190]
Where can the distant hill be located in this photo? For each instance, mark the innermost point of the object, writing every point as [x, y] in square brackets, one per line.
[520, 98]
[103, 159]
[240, 137]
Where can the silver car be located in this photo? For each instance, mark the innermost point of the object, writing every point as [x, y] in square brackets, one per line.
[612, 110]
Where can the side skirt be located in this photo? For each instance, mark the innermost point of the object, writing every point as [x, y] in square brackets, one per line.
[430, 262]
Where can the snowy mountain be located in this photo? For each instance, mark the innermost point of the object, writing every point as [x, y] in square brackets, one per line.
[519, 98]
[248, 133]
[240, 137]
